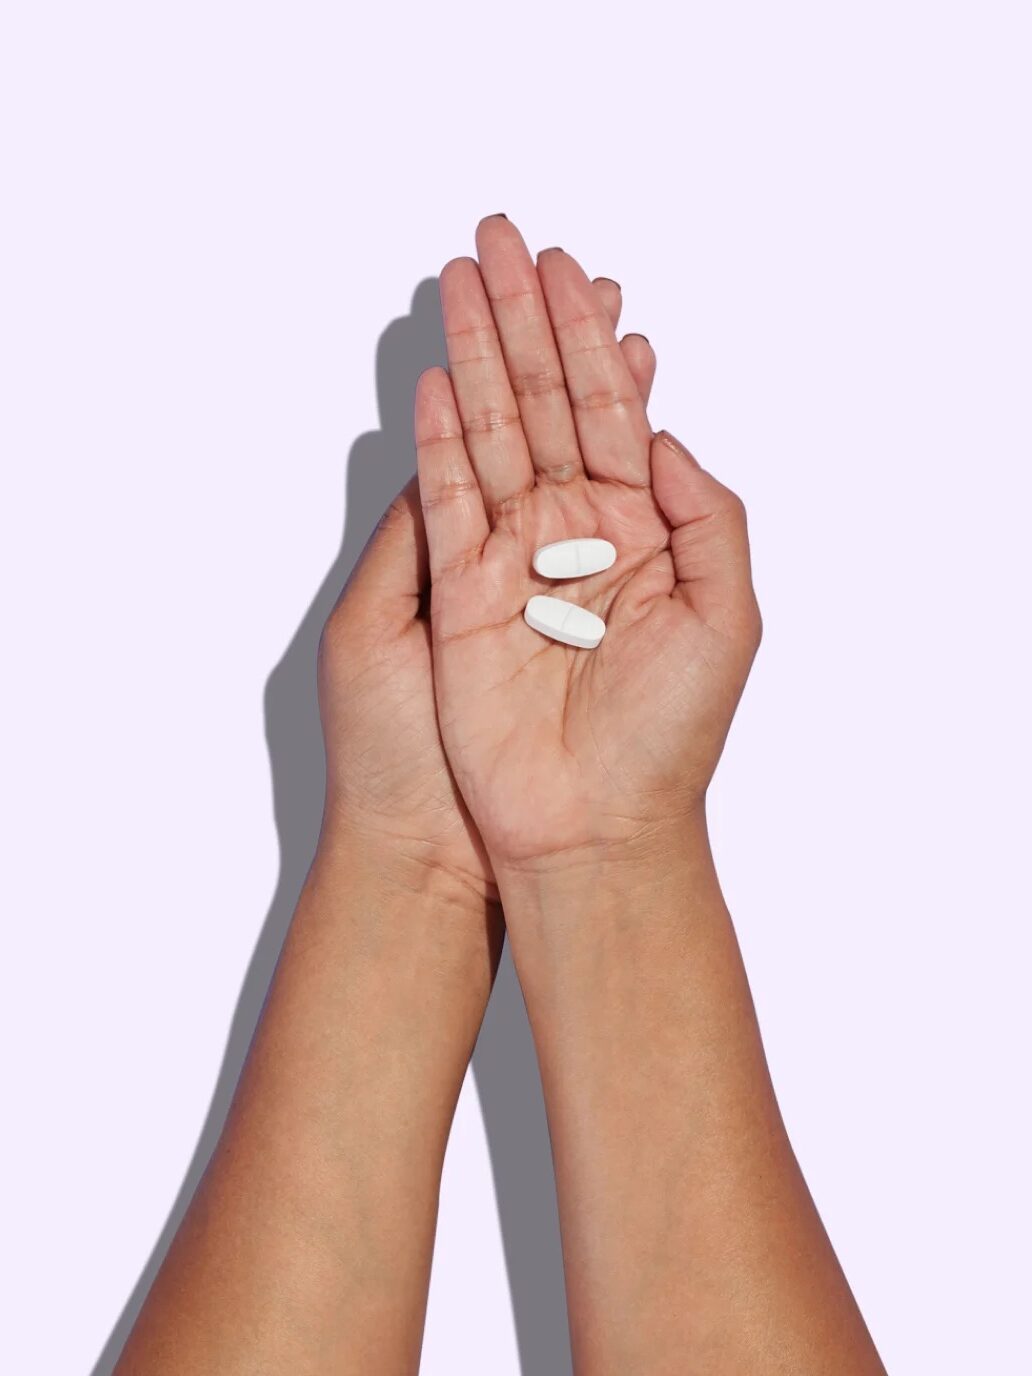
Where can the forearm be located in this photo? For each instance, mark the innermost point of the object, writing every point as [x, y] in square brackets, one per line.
[690, 1239]
[307, 1249]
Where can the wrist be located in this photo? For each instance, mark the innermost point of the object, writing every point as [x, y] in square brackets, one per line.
[375, 903]
[402, 865]
[610, 954]
[577, 880]
[568, 916]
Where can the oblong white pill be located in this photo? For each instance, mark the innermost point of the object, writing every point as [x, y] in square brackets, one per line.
[564, 621]
[574, 558]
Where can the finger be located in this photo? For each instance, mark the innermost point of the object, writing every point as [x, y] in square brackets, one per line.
[709, 540]
[487, 408]
[392, 573]
[641, 360]
[450, 496]
[530, 351]
[637, 350]
[612, 430]
[611, 295]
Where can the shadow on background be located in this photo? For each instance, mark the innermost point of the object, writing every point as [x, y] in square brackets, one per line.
[504, 1065]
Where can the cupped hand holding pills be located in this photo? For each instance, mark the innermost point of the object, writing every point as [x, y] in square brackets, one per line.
[535, 435]
[401, 794]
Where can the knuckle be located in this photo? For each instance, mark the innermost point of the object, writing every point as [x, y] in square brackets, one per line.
[540, 383]
[485, 422]
[509, 505]
[333, 636]
[446, 492]
[733, 506]
[604, 400]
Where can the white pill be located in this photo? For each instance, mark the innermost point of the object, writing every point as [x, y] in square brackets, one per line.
[564, 621]
[574, 558]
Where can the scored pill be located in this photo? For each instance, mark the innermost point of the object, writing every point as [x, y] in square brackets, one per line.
[574, 558]
[564, 621]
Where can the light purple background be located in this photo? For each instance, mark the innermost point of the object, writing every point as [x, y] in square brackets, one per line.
[820, 217]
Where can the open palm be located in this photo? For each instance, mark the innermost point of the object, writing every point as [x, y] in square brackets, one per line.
[537, 433]
[376, 686]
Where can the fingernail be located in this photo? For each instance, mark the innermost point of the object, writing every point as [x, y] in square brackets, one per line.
[677, 447]
[498, 215]
[637, 334]
[611, 280]
[554, 249]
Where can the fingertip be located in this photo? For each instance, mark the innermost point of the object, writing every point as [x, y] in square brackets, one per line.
[641, 364]
[665, 438]
[638, 348]
[687, 492]
[568, 289]
[494, 229]
[641, 358]
[457, 267]
[505, 264]
[433, 370]
[432, 380]
[674, 479]
[436, 415]
[610, 296]
[498, 221]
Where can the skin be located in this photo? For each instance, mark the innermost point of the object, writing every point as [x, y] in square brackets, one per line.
[539, 434]
[690, 1240]
[473, 765]
[388, 777]
[307, 1247]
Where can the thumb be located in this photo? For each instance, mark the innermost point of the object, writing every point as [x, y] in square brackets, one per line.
[392, 574]
[709, 539]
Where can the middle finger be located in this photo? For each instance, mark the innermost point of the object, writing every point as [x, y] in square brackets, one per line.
[531, 355]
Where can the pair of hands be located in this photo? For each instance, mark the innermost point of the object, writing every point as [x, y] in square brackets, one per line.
[471, 760]
[468, 740]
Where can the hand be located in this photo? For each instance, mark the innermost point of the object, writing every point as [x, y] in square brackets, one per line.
[387, 774]
[538, 433]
